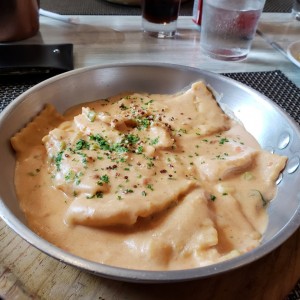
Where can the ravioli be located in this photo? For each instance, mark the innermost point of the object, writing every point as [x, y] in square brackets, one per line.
[146, 181]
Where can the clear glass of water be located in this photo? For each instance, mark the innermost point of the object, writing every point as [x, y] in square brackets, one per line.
[228, 27]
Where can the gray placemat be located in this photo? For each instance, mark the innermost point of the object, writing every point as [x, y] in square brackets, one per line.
[273, 84]
[276, 86]
[103, 7]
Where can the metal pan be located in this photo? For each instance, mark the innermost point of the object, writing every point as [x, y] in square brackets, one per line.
[272, 127]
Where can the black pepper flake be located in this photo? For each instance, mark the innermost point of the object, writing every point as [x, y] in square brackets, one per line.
[163, 171]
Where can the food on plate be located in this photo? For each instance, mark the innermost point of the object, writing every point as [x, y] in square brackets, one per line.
[145, 181]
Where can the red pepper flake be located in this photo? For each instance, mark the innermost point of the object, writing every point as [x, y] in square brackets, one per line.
[111, 167]
[163, 171]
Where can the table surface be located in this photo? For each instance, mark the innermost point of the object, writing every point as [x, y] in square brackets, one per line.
[27, 273]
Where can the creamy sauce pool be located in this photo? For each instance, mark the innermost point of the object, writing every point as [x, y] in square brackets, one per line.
[141, 181]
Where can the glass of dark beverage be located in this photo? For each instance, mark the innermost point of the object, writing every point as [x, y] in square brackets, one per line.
[159, 17]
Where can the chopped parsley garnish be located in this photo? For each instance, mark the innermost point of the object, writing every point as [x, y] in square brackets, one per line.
[154, 141]
[181, 130]
[149, 102]
[139, 150]
[91, 115]
[119, 148]
[82, 144]
[58, 160]
[150, 187]
[96, 195]
[143, 123]
[103, 143]
[212, 197]
[70, 176]
[131, 139]
[84, 157]
[222, 141]
[150, 164]
[103, 179]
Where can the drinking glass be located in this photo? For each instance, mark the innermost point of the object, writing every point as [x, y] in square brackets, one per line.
[159, 17]
[228, 27]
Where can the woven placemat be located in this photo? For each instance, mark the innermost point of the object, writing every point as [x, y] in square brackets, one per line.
[273, 84]
[103, 7]
[276, 86]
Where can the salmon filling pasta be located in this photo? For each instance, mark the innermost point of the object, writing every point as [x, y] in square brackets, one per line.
[146, 181]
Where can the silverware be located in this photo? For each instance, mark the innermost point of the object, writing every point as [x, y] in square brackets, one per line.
[275, 45]
[55, 16]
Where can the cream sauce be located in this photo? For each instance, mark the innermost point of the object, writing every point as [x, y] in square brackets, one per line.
[142, 181]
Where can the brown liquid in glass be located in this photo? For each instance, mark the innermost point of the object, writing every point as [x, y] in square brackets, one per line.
[161, 11]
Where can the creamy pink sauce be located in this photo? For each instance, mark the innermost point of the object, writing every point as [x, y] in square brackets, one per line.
[179, 185]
